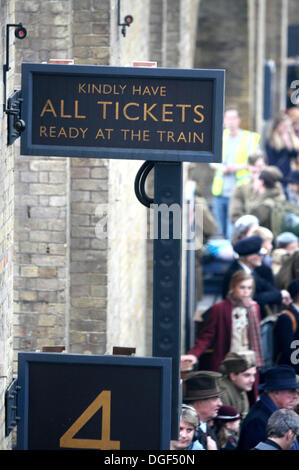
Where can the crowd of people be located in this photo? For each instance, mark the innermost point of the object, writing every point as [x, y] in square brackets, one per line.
[246, 395]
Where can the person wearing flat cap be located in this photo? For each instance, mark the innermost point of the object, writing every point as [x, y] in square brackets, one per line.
[249, 253]
[279, 390]
[287, 329]
[239, 372]
[201, 390]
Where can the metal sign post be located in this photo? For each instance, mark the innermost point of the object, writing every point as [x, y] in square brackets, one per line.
[167, 274]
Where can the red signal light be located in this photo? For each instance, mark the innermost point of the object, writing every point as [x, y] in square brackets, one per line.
[128, 19]
[20, 32]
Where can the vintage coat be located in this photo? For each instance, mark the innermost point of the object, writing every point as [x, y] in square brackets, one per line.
[263, 204]
[216, 333]
[234, 396]
[245, 198]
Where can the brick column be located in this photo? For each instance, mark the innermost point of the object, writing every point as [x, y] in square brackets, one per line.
[276, 47]
[6, 231]
[222, 42]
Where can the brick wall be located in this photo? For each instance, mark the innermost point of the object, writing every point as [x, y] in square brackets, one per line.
[6, 231]
[88, 257]
[40, 252]
[90, 31]
[223, 27]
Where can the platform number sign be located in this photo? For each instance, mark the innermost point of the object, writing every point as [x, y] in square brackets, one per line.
[102, 401]
[70, 401]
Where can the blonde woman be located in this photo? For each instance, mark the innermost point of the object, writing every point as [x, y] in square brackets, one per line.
[282, 146]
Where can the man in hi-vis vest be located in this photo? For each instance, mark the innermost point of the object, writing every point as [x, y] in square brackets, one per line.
[237, 145]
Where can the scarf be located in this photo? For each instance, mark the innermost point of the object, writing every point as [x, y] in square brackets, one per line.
[254, 332]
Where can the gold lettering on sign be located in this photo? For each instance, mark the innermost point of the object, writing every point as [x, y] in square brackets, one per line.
[62, 110]
[100, 134]
[147, 111]
[104, 103]
[148, 90]
[49, 108]
[202, 118]
[69, 439]
[166, 112]
[186, 137]
[183, 108]
[139, 135]
[130, 118]
[67, 132]
[43, 131]
[77, 115]
[134, 111]
[101, 89]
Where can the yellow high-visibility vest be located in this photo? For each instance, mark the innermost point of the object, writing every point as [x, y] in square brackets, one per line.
[248, 144]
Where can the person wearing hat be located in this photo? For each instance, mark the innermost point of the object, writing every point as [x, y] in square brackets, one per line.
[239, 372]
[279, 390]
[249, 253]
[232, 325]
[282, 431]
[243, 225]
[227, 424]
[201, 391]
[288, 241]
[286, 329]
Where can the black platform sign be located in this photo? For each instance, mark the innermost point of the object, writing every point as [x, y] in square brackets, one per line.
[122, 112]
[69, 401]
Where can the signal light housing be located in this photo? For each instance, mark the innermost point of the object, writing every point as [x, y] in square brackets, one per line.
[20, 32]
[128, 19]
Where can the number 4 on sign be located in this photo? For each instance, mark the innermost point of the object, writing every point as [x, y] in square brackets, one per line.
[103, 400]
